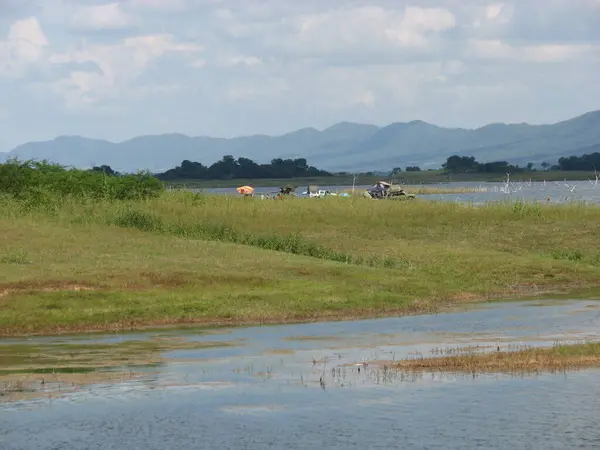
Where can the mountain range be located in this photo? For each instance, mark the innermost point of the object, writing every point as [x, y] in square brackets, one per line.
[344, 146]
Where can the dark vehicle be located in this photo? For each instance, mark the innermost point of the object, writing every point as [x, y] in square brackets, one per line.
[385, 190]
[288, 189]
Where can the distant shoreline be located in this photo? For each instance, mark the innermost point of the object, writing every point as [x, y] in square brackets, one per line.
[406, 178]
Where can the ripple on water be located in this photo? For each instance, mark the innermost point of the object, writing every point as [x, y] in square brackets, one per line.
[252, 409]
[207, 403]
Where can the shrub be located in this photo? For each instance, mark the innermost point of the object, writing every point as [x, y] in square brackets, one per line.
[38, 183]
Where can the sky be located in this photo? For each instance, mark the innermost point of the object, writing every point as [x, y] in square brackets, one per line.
[115, 70]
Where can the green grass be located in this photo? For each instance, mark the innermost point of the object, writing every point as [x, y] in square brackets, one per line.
[76, 265]
[425, 177]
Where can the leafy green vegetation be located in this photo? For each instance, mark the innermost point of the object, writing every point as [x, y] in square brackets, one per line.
[43, 182]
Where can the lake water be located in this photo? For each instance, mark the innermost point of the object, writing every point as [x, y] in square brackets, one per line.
[556, 192]
[265, 390]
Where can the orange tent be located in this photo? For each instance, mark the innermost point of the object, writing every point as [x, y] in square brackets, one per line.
[245, 190]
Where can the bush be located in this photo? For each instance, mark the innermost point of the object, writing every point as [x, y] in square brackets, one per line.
[38, 182]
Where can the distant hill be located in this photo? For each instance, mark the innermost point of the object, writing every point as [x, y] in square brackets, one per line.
[345, 146]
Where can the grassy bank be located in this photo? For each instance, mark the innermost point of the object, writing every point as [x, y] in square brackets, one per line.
[410, 178]
[556, 358]
[80, 265]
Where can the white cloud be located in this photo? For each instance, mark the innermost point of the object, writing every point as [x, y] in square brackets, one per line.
[536, 53]
[118, 65]
[243, 91]
[428, 19]
[493, 14]
[490, 49]
[243, 60]
[159, 5]
[101, 17]
[558, 52]
[25, 45]
[198, 64]
[355, 29]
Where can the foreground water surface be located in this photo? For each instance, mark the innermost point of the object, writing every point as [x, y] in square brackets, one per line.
[324, 385]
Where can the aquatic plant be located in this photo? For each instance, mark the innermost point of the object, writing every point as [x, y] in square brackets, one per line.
[560, 357]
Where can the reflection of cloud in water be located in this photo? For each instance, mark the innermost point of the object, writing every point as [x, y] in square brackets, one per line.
[251, 409]
[210, 385]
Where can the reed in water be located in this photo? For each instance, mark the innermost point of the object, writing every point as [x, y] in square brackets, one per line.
[560, 357]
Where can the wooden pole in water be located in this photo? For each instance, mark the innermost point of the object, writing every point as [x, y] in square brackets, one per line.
[353, 183]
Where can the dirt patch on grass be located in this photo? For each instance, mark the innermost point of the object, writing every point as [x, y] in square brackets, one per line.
[136, 281]
[34, 286]
[179, 279]
[519, 291]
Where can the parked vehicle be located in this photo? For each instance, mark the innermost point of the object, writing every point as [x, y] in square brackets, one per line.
[313, 191]
[385, 190]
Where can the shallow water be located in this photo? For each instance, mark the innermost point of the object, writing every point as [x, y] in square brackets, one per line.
[557, 192]
[266, 391]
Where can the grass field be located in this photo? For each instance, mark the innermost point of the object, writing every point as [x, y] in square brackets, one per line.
[182, 258]
[410, 178]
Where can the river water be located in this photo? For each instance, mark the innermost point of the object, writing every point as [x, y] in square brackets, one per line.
[323, 385]
[547, 192]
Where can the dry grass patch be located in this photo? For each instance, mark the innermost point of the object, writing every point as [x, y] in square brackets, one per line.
[468, 360]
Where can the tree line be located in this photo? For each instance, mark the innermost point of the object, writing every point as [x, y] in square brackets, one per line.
[244, 168]
[468, 164]
[231, 168]
[587, 161]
